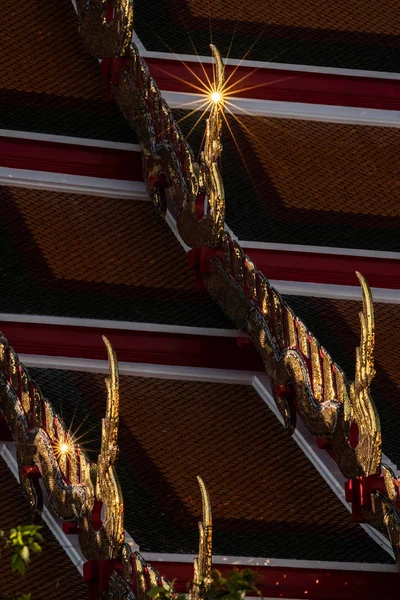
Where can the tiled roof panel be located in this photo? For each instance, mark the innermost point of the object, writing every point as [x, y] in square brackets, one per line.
[82, 256]
[49, 83]
[50, 574]
[310, 183]
[267, 498]
[331, 33]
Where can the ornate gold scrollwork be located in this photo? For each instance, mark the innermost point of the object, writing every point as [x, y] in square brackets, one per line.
[203, 562]
[306, 380]
[358, 410]
[106, 541]
[211, 188]
[106, 26]
[193, 191]
[46, 449]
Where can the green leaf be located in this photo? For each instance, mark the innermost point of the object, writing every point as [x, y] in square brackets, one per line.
[18, 564]
[24, 553]
[156, 590]
[35, 547]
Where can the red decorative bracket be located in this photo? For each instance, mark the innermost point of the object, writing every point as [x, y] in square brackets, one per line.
[32, 472]
[96, 574]
[242, 342]
[70, 527]
[358, 491]
[111, 71]
[199, 261]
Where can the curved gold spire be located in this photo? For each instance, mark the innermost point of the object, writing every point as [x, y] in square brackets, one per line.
[203, 563]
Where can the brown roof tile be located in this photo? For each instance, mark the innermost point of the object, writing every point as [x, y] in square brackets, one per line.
[103, 240]
[328, 167]
[43, 53]
[311, 183]
[84, 256]
[341, 16]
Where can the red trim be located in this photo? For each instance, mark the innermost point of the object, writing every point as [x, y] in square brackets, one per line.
[132, 346]
[283, 85]
[282, 582]
[56, 157]
[335, 269]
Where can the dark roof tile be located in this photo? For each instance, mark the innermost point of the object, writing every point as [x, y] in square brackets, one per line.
[267, 498]
[83, 256]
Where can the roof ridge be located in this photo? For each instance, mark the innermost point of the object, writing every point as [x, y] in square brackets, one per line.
[306, 380]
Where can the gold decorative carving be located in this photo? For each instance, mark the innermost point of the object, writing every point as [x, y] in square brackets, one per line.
[107, 541]
[46, 448]
[174, 179]
[303, 375]
[203, 562]
[107, 29]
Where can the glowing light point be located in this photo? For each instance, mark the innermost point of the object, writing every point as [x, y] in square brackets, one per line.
[216, 97]
[64, 448]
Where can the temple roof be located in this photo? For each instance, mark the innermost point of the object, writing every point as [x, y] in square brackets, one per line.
[321, 184]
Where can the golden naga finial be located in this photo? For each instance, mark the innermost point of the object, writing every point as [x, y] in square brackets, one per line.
[210, 176]
[365, 371]
[106, 542]
[109, 441]
[360, 419]
[203, 562]
[359, 408]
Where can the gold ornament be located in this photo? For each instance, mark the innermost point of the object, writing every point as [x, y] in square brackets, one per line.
[46, 448]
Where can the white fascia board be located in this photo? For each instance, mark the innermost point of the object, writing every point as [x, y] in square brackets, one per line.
[140, 369]
[74, 184]
[339, 292]
[65, 139]
[124, 325]
[257, 64]
[317, 249]
[293, 110]
[255, 561]
[171, 222]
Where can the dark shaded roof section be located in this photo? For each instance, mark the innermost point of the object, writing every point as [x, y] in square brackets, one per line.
[83, 256]
[336, 326]
[267, 498]
[50, 574]
[331, 33]
[49, 83]
[312, 183]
